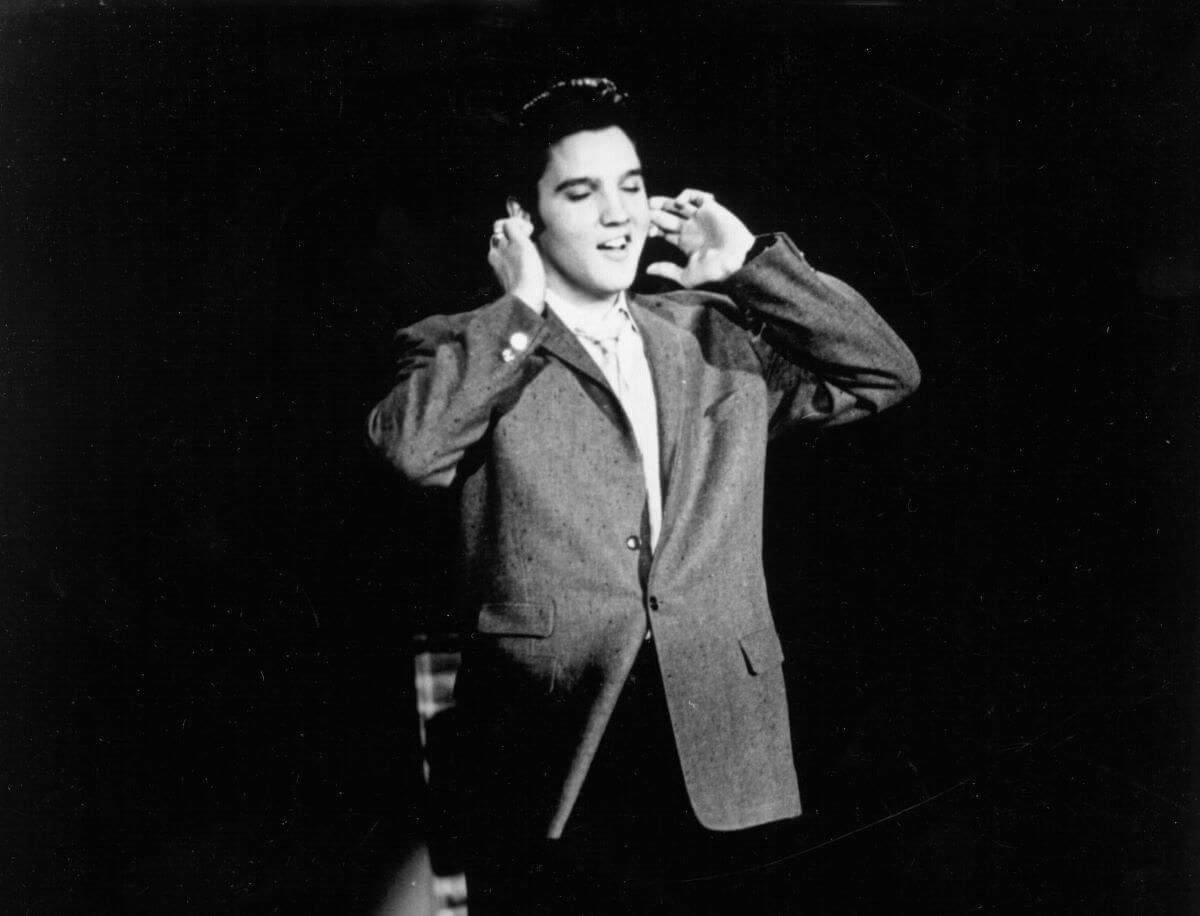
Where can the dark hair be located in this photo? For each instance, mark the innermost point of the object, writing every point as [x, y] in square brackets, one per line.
[567, 107]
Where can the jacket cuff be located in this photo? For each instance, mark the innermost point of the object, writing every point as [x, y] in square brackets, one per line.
[761, 244]
[515, 327]
[768, 252]
[772, 257]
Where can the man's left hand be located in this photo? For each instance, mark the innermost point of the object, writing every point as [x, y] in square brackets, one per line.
[714, 240]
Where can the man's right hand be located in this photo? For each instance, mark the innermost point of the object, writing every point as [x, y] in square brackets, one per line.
[516, 261]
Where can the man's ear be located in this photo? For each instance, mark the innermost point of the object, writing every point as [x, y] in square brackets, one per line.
[515, 209]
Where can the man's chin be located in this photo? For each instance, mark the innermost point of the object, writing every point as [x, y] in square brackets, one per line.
[620, 280]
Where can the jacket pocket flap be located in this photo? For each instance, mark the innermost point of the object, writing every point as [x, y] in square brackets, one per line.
[516, 618]
[762, 649]
[726, 405]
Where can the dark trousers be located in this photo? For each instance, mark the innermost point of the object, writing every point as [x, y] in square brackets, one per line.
[632, 844]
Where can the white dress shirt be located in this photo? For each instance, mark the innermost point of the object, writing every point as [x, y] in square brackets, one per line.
[613, 340]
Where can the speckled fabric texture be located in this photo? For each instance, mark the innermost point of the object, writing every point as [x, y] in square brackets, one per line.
[503, 406]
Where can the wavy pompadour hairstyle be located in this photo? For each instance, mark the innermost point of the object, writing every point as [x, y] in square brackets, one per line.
[567, 107]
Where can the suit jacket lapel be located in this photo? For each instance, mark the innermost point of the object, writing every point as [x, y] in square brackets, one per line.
[664, 352]
[562, 343]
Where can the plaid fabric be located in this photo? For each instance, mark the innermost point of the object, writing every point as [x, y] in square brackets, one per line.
[450, 895]
[436, 659]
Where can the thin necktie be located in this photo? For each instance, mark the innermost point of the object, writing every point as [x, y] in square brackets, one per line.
[606, 335]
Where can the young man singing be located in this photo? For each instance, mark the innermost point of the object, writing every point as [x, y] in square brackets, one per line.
[622, 684]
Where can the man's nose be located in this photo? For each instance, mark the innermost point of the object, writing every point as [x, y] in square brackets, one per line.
[613, 212]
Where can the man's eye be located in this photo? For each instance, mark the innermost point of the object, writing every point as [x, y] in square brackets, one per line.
[632, 188]
[578, 195]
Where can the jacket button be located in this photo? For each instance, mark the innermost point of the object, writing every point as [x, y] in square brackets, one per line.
[632, 542]
[653, 603]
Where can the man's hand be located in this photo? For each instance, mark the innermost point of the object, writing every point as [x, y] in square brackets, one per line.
[516, 261]
[714, 240]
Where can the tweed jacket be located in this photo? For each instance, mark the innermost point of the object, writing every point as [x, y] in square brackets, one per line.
[505, 407]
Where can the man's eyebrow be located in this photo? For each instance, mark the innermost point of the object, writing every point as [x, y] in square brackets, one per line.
[591, 182]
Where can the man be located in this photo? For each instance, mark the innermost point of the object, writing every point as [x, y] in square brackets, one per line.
[622, 682]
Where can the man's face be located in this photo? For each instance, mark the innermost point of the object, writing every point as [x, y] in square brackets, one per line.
[593, 206]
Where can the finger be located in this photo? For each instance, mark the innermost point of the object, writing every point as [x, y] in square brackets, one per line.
[675, 205]
[496, 240]
[498, 227]
[681, 208]
[695, 197]
[666, 269]
[671, 238]
[517, 228]
[666, 223]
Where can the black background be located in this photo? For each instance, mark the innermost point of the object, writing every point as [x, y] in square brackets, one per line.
[213, 217]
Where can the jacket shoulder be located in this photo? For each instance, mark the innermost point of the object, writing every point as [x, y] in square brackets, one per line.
[695, 311]
[499, 316]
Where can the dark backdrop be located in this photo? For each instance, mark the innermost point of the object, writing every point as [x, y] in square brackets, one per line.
[212, 220]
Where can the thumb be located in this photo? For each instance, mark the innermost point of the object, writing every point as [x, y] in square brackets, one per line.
[666, 269]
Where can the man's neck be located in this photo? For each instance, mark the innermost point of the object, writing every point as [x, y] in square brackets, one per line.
[583, 307]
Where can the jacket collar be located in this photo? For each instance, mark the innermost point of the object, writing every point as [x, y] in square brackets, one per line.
[562, 343]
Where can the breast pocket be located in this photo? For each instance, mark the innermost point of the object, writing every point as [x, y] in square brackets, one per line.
[725, 406]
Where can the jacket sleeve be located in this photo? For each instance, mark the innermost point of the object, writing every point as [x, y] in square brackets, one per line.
[454, 375]
[827, 355]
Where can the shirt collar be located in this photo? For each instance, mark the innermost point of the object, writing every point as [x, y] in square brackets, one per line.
[584, 321]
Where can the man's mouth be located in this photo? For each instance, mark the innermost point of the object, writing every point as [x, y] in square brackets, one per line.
[618, 245]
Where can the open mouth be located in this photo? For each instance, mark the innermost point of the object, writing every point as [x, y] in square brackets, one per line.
[617, 245]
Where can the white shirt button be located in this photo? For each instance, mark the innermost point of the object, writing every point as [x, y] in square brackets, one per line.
[519, 341]
[507, 354]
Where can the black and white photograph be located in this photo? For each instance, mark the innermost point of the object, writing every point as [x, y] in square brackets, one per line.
[529, 457]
